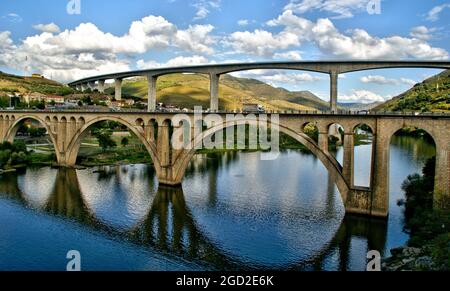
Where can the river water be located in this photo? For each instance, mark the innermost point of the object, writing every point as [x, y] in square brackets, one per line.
[233, 212]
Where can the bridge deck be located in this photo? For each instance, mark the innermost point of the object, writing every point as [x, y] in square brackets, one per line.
[288, 112]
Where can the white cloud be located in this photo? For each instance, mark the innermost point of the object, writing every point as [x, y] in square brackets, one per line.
[50, 27]
[341, 8]
[261, 42]
[196, 39]
[294, 78]
[408, 82]
[86, 50]
[377, 79]
[421, 32]
[175, 62]
[381, 80]
[148, 33]
[243, 22]
[290, 55]
[7, 48]
[362, 96]
[356, 43]
[278, 77]
[433, 14]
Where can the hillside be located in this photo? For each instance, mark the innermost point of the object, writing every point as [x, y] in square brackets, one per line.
[11, 84]
[433, 95]
[187, 90]
[184, 91]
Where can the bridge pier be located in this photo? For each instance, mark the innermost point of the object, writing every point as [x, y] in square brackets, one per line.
[91, 86]
[152, 81]
[333, 90]
[101, 86]
[323, 141]
[84, 87]
[214, 91]
[380, 173]
[348, 161]
[118, 89]
[442, 175]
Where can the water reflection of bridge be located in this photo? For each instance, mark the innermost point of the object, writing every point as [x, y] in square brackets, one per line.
[170, 227]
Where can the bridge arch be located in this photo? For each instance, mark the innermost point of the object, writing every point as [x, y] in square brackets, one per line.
[327, 160]
[439, 147]
[14, 127]
[137, 129]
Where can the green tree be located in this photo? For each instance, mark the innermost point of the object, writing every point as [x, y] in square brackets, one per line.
[125, 141]
[104, 139]
[4, 101]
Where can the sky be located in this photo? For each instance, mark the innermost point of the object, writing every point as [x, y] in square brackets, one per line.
[71, 39]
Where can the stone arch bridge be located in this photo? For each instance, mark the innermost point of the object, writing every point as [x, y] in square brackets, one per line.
[67, 129]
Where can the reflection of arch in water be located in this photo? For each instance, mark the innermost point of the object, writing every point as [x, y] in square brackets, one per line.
[66, 199]
[37, 194]
[9, 188]
[373, 230]
[328, 161]
[115, 196]
[170, 227]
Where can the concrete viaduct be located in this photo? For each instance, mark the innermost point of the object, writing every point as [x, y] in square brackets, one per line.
[332, 68]
[67, 129]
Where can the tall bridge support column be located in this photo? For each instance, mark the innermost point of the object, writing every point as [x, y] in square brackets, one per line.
[101, 86]
[79, 88]
[84, 87]
[149, 132]
[151, 93]
[348, 162]
[118, 89]
[442, 175]
[333, 90]
[379, 200]
[214, 91]
[91, 86]
[165, 173]
[323, 141]
[3, 129]
[61, 136]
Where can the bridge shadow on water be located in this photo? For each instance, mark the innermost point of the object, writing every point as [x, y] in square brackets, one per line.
[170, 227]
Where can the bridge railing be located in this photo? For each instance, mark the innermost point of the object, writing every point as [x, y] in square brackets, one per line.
[282, 112]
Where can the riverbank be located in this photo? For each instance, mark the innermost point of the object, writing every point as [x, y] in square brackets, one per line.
[427, 251]
[428, 224]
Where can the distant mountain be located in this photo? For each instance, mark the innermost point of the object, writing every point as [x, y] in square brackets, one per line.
[433, 94]
[188, 90]
[359, 106]
[17, 84]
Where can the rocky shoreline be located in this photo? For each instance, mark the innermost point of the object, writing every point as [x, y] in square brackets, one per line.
[409, 259]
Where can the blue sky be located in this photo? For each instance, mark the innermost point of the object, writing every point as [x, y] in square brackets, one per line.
[109, 36]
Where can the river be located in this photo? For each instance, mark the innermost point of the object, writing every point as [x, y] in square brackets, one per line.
[233, 212]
